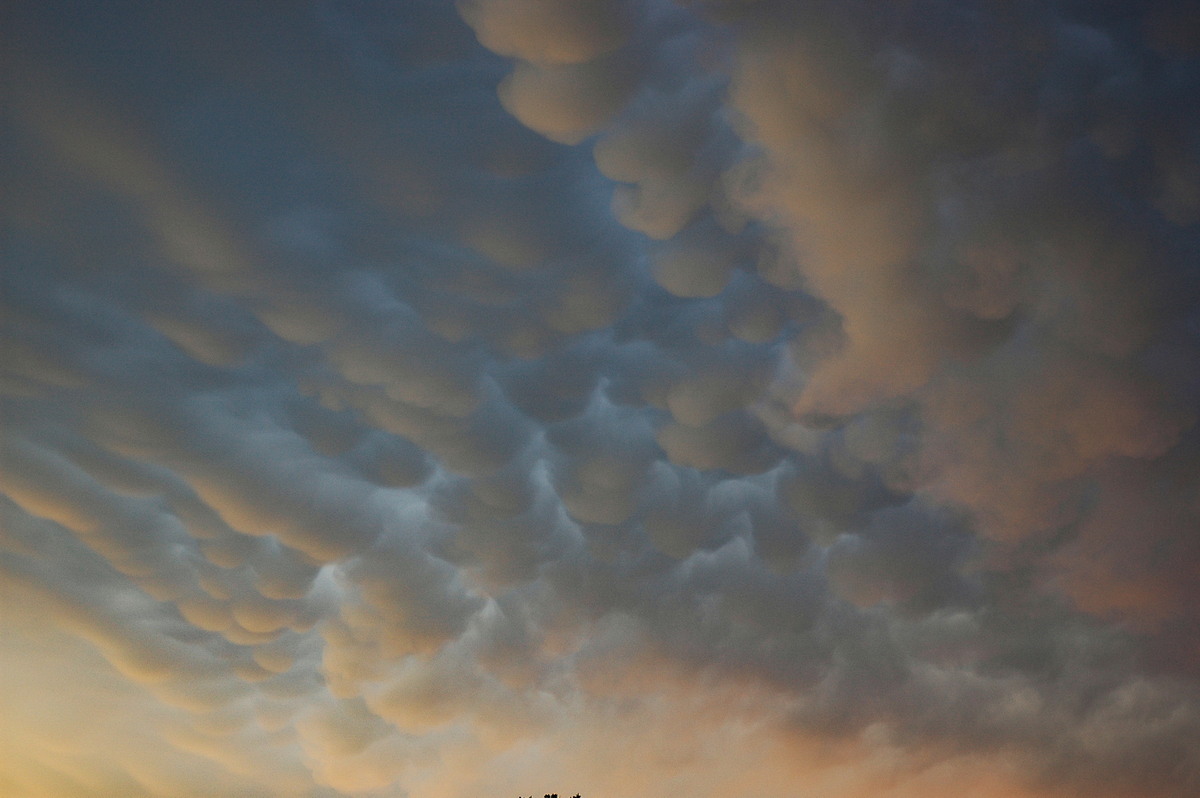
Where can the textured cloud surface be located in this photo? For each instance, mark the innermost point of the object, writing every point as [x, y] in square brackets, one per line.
[627, 398]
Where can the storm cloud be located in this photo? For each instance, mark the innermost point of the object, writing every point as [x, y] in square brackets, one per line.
[718, 398]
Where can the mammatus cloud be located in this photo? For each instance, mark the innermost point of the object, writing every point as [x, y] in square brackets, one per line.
[625, 398]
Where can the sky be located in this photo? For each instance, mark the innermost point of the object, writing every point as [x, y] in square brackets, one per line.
[631, 398]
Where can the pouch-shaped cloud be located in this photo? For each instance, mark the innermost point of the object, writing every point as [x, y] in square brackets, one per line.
[436, 400]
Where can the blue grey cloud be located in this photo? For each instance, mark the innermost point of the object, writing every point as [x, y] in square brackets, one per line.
[426, 399]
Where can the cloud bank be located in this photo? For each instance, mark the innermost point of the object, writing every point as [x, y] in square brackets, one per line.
[716, 398]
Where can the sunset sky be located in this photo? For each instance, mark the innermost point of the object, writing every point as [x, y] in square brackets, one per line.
[633, 398]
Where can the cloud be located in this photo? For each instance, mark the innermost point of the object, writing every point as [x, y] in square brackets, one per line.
[551, 33]
[601, 397]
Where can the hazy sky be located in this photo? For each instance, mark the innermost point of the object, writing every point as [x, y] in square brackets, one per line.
[710, 399]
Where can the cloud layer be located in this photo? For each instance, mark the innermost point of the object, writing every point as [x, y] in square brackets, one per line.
[718, 398]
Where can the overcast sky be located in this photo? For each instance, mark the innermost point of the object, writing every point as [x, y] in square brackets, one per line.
[635, 398]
